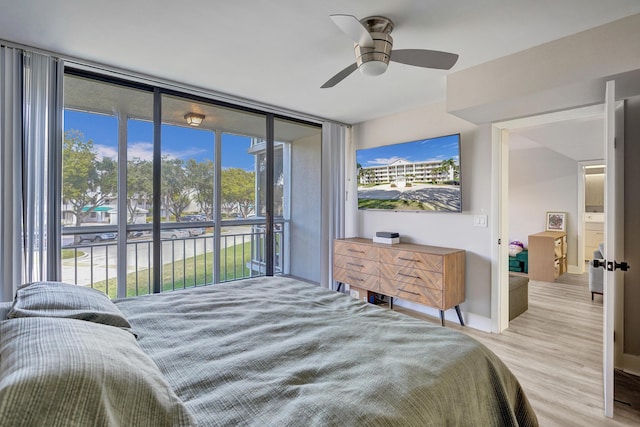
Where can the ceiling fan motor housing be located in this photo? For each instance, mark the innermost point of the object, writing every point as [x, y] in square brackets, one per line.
[373, 61]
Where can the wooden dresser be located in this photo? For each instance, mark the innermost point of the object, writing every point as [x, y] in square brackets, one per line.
[547, 255]
[428, 275]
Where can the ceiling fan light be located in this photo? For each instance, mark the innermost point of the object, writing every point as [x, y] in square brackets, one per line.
[373, 68]
[194, 119]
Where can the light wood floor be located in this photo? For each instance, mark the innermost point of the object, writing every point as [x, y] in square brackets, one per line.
[555, 351]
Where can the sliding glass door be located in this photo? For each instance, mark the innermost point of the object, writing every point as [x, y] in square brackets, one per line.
[164, 190]
[106, 131]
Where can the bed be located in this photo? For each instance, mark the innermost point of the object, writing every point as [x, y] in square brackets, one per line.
[268, 351]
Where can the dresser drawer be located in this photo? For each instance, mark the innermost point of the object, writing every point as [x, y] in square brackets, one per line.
[412, 259]
[356, 264]
[355, 250]
[413, 276]
[355, 278]
[411, 292]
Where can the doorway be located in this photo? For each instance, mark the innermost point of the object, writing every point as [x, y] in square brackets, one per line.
[615, 148]
[540, 159]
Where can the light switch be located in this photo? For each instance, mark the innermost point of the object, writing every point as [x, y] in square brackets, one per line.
[479, 220]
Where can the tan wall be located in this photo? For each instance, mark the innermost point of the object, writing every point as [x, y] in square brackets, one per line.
[563, 74]
[632, 226]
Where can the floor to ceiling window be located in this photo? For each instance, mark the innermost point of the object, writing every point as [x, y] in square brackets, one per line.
[164, 191]
[102, 122]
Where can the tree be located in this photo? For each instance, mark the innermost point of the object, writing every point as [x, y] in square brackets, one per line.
[448, 166]
[201, 175]
[238, 189]
[175, 191]
[87, 182]
[139, 186]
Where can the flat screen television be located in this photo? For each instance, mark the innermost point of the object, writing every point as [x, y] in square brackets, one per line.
[421, 175]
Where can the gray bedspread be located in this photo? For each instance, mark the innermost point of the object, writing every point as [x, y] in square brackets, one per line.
[280, 352]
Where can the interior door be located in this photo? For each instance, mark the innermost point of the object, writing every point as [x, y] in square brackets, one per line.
[614, 211]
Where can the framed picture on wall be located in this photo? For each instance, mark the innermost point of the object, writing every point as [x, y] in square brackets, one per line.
[556, 221]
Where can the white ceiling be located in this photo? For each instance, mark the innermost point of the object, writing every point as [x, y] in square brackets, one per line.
[580, 139]
[280, 52]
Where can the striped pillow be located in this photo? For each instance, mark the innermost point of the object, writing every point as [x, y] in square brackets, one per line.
[69, 372]
[57, 299]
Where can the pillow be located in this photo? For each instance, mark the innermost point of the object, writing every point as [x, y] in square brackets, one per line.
[514, 250]
[57, 299]
[70, 372]
[4, 309]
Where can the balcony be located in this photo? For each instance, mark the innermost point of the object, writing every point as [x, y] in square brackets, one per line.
[187, 258]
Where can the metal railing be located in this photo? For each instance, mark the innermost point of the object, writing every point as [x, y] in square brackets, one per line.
[186, 261]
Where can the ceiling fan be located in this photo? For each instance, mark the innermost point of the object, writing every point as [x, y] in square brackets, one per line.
[373, 49]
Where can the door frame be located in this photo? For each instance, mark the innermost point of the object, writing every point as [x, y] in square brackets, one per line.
[500, 235]
[582, 195]
[613, 345]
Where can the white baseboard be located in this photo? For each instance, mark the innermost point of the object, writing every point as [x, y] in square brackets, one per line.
[574, 269]
[630, 364]
[471, 320]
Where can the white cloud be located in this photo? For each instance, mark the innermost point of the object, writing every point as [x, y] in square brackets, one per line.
[383, 161]
[140, 150]
[144, 151]
[106, 151]
[186, 154]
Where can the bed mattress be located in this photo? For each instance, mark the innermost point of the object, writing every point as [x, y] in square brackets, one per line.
[275, 351]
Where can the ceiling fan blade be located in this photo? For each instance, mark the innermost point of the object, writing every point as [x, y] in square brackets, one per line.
[340, 76]
[425, 58]
[350, 25]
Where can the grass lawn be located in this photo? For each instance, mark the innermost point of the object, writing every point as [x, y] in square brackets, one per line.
[185, 273]
[71, 253]
[401, 205]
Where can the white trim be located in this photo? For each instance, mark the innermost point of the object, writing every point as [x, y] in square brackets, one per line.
[575, 269]
[581, 211]
[558, 116]
[471, 320]
[499, 228]
[609, 288]
[581, 202]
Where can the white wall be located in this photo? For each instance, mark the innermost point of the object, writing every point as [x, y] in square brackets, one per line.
[453, 230]
[542, 180]
[305, 208]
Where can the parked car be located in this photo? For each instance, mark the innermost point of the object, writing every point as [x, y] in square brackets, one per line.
[97, 237]
[193, 218]
[196, 231]
[173, 233]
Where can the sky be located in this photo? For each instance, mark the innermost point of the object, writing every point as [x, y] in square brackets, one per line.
[438, 149]
[177, 142]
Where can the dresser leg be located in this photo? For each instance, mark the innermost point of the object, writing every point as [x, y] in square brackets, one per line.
[390, 303]
[442, 317]
[459, 315]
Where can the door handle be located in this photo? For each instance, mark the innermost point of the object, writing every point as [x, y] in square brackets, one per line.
[597, 263]
[612, 265]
